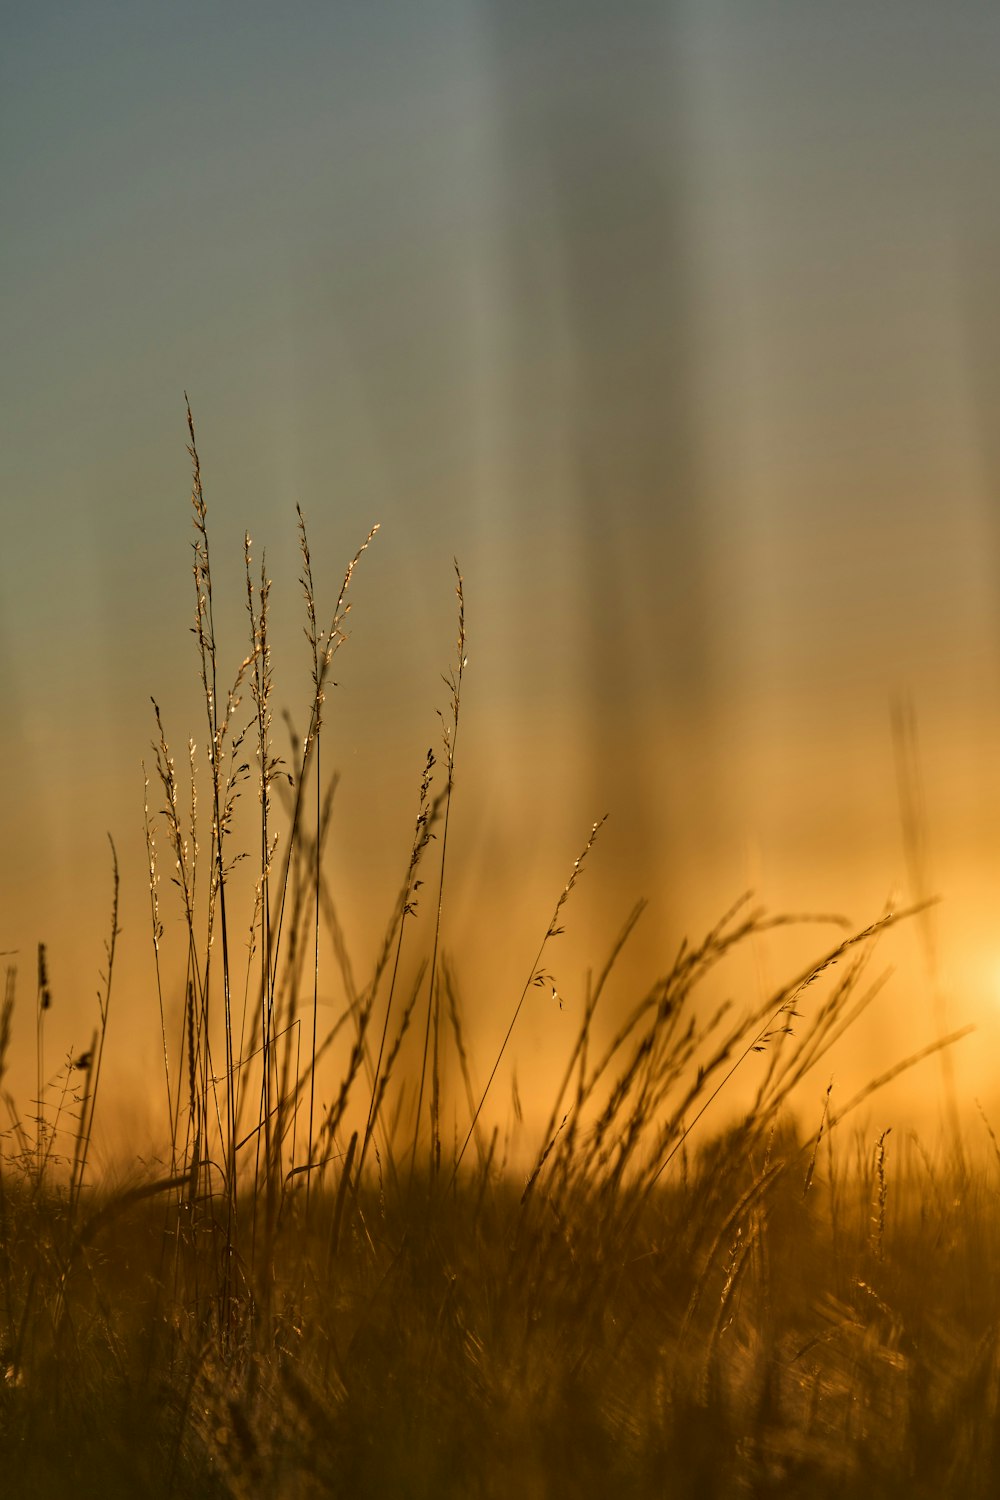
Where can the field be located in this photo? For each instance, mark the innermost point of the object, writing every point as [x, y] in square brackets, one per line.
[337, 1299]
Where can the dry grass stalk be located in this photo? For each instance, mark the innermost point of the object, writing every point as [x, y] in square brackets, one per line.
[607, 1317]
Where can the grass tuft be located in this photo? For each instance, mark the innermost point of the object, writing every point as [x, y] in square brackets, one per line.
[323, 1291]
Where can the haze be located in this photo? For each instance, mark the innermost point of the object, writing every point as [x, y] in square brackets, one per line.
[676, 324]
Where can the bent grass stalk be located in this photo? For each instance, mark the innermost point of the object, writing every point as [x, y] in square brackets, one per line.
[536, 980]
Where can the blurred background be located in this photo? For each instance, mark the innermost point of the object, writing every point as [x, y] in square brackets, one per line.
[677, 324]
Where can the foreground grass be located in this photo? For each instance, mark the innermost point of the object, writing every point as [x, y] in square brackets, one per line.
[746, 1334]
[315, 1299]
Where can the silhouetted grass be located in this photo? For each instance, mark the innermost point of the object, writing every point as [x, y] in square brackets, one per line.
[322, 1300]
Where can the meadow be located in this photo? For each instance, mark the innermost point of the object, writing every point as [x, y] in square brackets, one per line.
[326, 1289]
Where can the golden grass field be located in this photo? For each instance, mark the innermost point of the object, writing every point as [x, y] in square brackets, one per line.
[322, 1289]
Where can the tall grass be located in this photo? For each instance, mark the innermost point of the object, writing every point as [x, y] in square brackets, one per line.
[333, 1299]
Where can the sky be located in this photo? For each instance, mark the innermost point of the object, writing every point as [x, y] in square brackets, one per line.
[676, 324]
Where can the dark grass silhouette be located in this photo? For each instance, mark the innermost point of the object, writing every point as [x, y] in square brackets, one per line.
[333, 1299]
